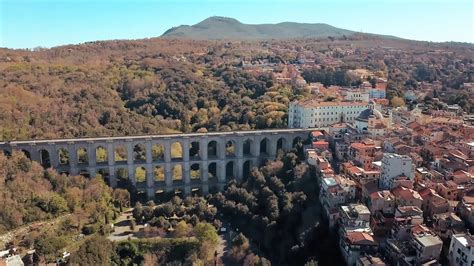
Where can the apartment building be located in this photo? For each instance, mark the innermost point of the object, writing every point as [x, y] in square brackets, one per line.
[393, 166]
[461, 250]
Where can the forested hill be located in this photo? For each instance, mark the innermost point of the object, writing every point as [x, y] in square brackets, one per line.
[160, 85]
[133, 87]
[229, 28]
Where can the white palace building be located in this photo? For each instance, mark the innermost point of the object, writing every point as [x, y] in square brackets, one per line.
[313, 113]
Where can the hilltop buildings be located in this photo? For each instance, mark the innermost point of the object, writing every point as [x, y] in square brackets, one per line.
[415, 174]
[412, 166]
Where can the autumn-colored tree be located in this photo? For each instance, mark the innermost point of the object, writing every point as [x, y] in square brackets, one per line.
[122, 198]
[397, 101]
[182, 229]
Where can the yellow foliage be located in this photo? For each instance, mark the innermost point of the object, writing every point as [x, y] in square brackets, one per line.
[158, 152]
[140, 174]
[159, 174]
[120, 154]
[176, 150]
[82, 156]
[101, 155]
[397, 101]
[177, 172]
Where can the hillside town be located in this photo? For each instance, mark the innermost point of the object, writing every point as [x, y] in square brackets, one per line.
[271, 138]
[396, 174]
[397, 185]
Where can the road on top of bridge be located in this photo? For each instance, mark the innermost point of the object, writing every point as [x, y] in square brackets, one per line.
[174, 135]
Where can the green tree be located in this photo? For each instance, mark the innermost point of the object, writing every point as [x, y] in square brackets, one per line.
[49, 246]
[206, 232]
[94, 251]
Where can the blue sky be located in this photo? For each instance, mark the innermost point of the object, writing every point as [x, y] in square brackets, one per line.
[47, 23]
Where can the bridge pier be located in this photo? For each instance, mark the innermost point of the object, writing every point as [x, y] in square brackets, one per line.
[221, 173]
[111, 164]
[53, 157]
[34, 153]
[205, 189]
[130, 163]
[168, 177]
[73, 160]
[203, 168]
[150, 193]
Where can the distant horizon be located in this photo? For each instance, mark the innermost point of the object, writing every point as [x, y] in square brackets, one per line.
[29, 24]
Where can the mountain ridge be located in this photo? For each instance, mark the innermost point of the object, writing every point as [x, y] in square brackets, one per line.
[216, 27]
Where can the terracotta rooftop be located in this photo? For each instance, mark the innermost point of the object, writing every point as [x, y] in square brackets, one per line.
[320, 142]
[384, 194]
[360, 238]
[339, 125]
[361, 145]
[316, 133]
[405, 193]
[409, 210]
[420, 229]
[425, 192]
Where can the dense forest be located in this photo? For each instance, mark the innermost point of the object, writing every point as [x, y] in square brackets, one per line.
[136, 89]
[74, 205]
[30, 193]
[275, 213]
[158, 85]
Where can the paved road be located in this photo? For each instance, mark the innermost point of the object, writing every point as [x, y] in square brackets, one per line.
[122, 229]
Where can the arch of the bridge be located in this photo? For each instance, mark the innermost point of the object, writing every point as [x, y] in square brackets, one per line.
[162, 162]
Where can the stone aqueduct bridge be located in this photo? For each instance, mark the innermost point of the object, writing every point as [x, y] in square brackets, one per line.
[162, 163]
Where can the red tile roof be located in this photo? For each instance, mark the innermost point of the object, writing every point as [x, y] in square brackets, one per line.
[380, 195]
[405, 193]
[360, 238]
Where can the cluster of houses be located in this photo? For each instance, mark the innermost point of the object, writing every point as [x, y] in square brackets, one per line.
[401, 196]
